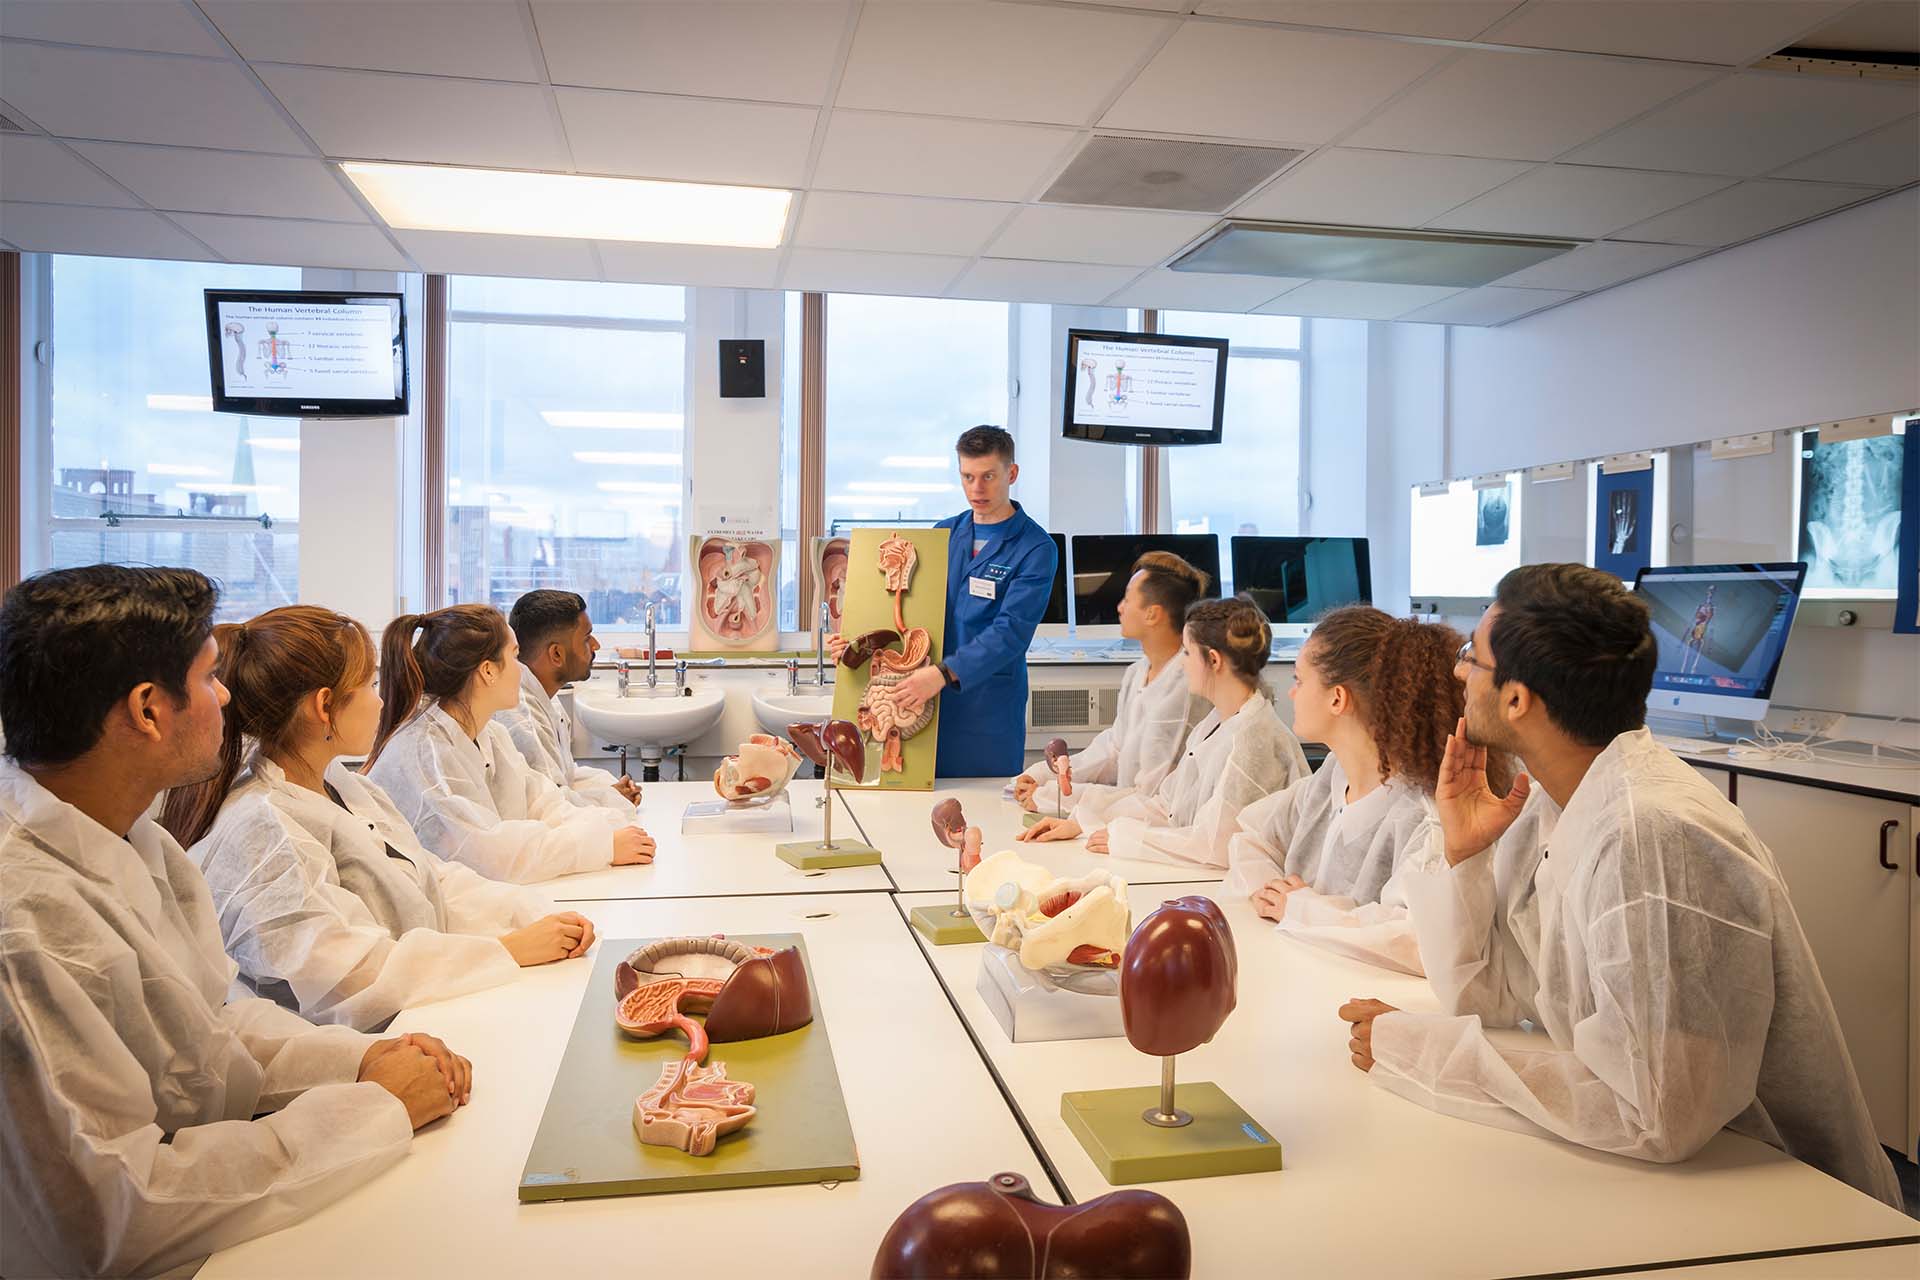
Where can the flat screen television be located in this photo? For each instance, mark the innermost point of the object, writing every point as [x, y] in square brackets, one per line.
[1103, 563]
[1144, 388]
[1056, 615]
[297, 354]
[1721, 630]
[1296, 580]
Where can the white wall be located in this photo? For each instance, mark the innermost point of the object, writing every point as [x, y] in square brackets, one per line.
[1335, 418]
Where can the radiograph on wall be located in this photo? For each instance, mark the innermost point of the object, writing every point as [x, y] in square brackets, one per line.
[1850, 514]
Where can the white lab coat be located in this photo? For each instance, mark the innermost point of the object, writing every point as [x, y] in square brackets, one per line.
[540, 729]
[128, 1142]
[477, 802]
[1142, 744]
[1667, 966]
[1351, 856]
[339, 913]
[1190, 817]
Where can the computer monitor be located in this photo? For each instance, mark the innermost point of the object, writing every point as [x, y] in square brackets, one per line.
[1722, 630]
[1056, 614]
[1295, 580]
[1103, 563]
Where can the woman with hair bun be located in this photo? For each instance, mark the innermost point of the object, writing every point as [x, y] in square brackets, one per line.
[454, 771]
[1156, 708]
[325, 899]
[1321, 857]
[1237, 754]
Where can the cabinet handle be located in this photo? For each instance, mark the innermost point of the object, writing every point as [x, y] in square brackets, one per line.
[1885, 828]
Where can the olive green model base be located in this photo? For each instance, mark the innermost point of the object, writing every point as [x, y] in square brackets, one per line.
[1032, 819]
[1222, 1139]
[940, 926]
[813, 855]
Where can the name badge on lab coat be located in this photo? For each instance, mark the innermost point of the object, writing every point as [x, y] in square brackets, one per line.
[982, 587]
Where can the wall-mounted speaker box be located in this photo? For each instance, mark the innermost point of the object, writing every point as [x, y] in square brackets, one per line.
[743, 368]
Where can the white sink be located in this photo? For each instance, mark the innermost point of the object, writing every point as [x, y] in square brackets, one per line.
[776, 712]
[650, 720]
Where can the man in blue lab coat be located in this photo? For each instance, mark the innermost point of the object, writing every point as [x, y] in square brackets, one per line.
[1000, 566]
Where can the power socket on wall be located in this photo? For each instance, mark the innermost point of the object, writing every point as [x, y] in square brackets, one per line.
[1811, 723]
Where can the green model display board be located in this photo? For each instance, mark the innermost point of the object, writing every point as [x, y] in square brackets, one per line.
[586, 1145]
[1223, 1139]
[870, 606]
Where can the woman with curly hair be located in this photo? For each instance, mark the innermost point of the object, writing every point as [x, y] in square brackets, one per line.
[1319, 858]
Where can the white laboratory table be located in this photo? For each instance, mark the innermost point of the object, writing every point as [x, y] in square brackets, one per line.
[1375, 1185]
[1850, 771]
[899, 824]
[1884, 1262]
[925, 1113]
[714, 866]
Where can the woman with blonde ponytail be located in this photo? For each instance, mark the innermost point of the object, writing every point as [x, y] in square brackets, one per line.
[1239, 753]
[326, 900]
[454, 771]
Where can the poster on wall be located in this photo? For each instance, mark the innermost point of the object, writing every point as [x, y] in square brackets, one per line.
[896, 617]
[1623, 522]
[1848, 530]
[732, 610]
[1493, 523]
[829, 565]
[1906, 608]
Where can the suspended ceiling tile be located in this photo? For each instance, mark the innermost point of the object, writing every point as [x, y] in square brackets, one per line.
[1577, 201]
[928, 156]
[1355, 300]
[1745, 211]
[1492, 304]
[997, 61]
[1888, 157]
[1115, 237]
[1729, 32]
[1596, 266]
[1239, 81]
[485, 39]
[466, 253]
[898, 224]
[771, 51]
[42, 170]
[372, 115]
[1441, 19]
[648, 135]
[116, 24]
[1195, 291]
[1346, 187]
[1067, 283]
[292, 243]
[143, 97]
[702, 266]
[1750, 123]
[913, 275]
[112, 233]
[226, 181]
[1522, 106]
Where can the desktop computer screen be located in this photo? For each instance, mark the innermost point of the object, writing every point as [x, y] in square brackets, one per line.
[1103, 564]
[1296, 580]
[1722, 630]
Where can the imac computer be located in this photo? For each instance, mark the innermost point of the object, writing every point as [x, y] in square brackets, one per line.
[1296, 580]
[1053, 623]
[1722, 630]
[1103, 564]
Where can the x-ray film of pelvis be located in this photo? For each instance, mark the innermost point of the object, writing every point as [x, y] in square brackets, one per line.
[1850, 513]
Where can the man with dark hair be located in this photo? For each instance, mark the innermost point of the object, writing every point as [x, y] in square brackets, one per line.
[556, 649]
[1000, 565]
[1626, 909]
[128, 1135]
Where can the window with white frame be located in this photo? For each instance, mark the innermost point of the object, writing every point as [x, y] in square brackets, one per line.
[905, 376]
[566, 444]
[1249, 483]
[131, 464]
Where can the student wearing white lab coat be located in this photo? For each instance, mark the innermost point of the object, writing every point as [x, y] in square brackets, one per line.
[1322, 859]
[326, 899]
[1239, 753]
[456, 775]
[1156, 708]
[148, 1121]
[556, 649]
[1665, 965]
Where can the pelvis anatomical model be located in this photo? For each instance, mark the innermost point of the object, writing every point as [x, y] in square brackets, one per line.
[831, 742]
[746, 992]
[1000, 1228]
[880, 717]
[761, 771]
[1051, 922]
[736, 585]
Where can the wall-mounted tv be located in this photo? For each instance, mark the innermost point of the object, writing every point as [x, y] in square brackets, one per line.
[297, 354]
[1144, 388]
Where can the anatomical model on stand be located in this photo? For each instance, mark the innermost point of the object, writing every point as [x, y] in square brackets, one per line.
[879, 716]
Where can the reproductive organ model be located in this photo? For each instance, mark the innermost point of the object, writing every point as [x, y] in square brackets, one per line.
[238, 332]
[1000, 1228]
[831, 742]
[746, 992]
[1050, 922]
[950, 829]
[736, 585]
[274, 351]
[880, 717]
[760, 771]
[1061, 762]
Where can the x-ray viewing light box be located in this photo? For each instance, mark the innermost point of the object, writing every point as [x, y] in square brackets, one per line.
[1629, 527]
[1846, 513]
[1465, 539]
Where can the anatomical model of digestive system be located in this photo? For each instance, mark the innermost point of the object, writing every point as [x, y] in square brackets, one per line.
[746, 992]
[879, 716]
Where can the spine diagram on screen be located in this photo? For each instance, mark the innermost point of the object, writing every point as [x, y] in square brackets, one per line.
[1695, 644]
[273, 351]
[1119, 385]
[238, 332]
[1089, 378]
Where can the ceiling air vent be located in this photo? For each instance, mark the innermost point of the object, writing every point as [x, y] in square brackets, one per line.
[1365, 254]
[10, 125]
[1166, 173]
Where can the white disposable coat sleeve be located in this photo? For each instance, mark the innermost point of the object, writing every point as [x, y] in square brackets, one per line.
[1202, 842]
[520, 850]
[1452, 911]
[476, 904]
[1257, 852]
[118, 1196]
[1370, 932]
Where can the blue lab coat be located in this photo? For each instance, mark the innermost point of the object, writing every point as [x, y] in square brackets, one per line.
[983, 719]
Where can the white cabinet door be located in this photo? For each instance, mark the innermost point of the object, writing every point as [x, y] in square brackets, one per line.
[1858, 916]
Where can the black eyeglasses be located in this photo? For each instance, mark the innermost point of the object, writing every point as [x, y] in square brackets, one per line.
[1465, 656]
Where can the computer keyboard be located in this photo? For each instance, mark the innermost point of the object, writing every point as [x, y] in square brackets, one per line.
[1694, 746]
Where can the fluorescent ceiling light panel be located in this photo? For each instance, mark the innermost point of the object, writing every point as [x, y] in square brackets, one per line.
[1365, 254]
[612, 420]
[509, 202]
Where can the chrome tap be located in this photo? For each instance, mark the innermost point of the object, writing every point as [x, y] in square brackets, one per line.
[622, 670]
[653, 672]
[680, 675]
[820, 647]
[793, 676]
